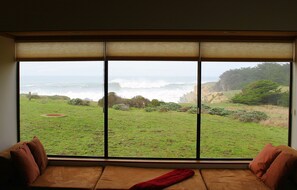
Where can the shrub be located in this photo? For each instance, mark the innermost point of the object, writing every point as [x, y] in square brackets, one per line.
[219, 111]
[58, 97]
[79, 102]
[171, 106]
[149, 109]
[184, 109]
[122, 107]
[253, 116]
[259, 92]
[192, 110]
[205, 108]
[138, 102]
[284, 99]
[112, 100]
[163, 109]
[155, 103]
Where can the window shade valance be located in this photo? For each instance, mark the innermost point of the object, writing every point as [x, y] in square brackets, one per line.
[59, 50]
[280, 51]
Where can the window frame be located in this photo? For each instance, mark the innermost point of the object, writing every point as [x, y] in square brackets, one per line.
[198, 124]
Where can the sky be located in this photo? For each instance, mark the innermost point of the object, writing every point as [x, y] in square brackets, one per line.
[120, 68]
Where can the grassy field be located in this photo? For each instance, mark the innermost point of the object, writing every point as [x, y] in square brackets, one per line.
[137, 133]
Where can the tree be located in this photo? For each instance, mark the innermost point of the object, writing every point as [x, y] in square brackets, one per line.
[259, 92]
[236, 79]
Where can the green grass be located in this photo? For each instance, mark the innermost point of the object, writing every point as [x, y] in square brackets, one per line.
[137, 133]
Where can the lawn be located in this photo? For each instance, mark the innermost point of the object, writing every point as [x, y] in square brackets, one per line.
[136, 133]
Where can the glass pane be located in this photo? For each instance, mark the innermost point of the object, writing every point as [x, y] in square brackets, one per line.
[59, 105]
[245, 105]
[152, 109]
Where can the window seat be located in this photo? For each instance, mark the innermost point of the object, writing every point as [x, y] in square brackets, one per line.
[122, 178]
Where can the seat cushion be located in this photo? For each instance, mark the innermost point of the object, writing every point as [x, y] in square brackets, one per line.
[38, 153]
[231, 179]
[118, 177]
[68, 177]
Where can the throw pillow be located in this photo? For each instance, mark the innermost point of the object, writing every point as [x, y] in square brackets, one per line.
[261, 163]
[25, 164]
[38, 153]
[278, 171]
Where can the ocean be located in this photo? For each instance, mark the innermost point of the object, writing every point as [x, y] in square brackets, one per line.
[168, 89]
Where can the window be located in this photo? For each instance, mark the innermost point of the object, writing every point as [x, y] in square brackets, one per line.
[169, 105]
[245, 105]
[58, 103]
[152, 113]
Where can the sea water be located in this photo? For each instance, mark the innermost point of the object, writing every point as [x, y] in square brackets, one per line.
[168, 89]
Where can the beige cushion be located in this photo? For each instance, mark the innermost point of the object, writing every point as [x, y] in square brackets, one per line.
[74, 177]
[231, 179]
[117, 177]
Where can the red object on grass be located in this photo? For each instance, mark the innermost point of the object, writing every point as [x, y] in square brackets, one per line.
[165, 180]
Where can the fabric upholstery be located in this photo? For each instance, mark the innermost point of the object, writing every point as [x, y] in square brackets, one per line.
[7, 169]
[279, 170]
[262, 161]
[38, 153]
[231, 179]
[25, 163]
[72, 177]
[292, 151]
[122, 178]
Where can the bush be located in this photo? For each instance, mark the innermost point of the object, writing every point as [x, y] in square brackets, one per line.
[259, 92]
[184, 109]
[163, 109]
[155, 103]
[149, 109]
[122, 107]
[192, 110]
[284, 100]
[112, 100]
[219, 111]
[253, 116]
[171, 106]
[79, 102]
[205, 108]
[138, 102]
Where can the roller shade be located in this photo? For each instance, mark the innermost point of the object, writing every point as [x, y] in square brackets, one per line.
[246, 50]
[59, 50]
[154, 50]
[165, 50]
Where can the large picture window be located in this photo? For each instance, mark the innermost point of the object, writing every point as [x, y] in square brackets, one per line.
[58, 103]
[152, 111]
[165, 100]
[245, 105]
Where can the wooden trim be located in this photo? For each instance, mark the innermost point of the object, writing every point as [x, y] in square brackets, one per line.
[130, 35]
[150, 163]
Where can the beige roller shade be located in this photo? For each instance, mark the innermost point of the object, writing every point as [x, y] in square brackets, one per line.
[59, 50]
[246, 50]
[152, 50]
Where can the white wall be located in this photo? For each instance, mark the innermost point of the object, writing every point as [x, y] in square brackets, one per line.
[8, 118]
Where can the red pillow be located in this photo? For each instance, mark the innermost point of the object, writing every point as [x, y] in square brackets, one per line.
[38, 153]
[280, 168]
[261, 163]
[25, 164]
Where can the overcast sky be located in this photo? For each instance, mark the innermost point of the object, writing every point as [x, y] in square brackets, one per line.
[125, 68]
